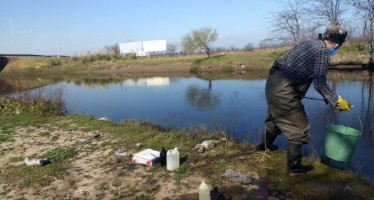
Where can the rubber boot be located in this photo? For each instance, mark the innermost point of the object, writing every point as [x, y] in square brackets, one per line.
[294, 166]
[267, 143]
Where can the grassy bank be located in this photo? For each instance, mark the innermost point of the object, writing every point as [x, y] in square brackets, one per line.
[94, 172]
[350, 53]
[224, 62]
[21, 73]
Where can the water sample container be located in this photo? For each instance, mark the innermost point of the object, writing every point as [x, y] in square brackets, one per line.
[340, 142]
[172, 159]
[204, 191]
[163, 156]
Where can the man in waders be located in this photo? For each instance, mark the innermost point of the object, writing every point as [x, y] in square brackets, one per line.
[288, 81]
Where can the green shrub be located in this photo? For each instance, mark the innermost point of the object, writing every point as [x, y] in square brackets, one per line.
[54, 62]
[227, 69]
[14, 106]
[356, 47]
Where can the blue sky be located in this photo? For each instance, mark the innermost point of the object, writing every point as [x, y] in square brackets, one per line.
[72, 26]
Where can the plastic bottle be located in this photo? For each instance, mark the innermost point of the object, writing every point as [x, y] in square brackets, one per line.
[172, 159]
[204, 191]
[163, 156]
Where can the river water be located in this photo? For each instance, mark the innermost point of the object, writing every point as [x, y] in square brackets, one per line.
[235, 106]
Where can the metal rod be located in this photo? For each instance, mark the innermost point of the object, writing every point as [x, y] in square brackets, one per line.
[314, 98]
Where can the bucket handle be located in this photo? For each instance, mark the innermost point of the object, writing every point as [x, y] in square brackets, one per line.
[358, 117]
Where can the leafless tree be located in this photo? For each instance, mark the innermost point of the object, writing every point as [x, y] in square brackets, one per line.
[287, 23]
[113, 49]
[171, 49]
[248, 47]
[366, 8]
[327, 10]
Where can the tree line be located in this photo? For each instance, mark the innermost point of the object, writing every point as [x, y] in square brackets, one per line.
[300, 20]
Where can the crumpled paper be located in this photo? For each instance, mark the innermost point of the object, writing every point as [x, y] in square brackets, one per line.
[236, 176]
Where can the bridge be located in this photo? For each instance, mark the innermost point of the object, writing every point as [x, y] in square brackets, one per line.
[28, 55]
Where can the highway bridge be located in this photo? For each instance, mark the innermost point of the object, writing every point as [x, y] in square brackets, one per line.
[28, 55]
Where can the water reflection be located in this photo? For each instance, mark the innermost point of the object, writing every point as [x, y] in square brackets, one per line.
[236, 106]
[202, 98]
[150, 81]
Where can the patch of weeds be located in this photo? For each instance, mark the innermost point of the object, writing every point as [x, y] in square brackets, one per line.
[143, 197]
[29, 105]
[6, 130]
[227, 69]
[16, 159]
[156, 188]
[52, 129]
[54, 62]
[116, 183]
[4, 137]
[194, 69]
[181, 173]
[44, 133]
[60, 154]
[88, 129]
[5, 134]
[133, 190]
[26, 176]
[106, 143]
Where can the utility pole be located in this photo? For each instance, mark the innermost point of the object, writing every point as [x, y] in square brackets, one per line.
[59, 41]
[11, 27]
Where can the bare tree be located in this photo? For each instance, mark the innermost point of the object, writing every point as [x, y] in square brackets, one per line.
[199, 39]
[248, 47]
[113, 49]
[171, 49]
[366, 8]
[287, 23]
[329, 10]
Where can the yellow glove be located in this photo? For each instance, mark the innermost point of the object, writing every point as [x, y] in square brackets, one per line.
[342, 104]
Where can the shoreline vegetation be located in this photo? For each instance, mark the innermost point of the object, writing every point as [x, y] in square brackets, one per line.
[37, 127]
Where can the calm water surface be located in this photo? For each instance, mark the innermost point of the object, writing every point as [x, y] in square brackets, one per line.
[237, 107]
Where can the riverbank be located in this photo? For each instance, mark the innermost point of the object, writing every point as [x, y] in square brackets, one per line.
[94, 171]
[220, 62]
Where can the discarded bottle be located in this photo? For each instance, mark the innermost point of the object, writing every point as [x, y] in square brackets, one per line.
[121, 153]
[163, 156]
[138, 145]
[172, 159]
[204, 191]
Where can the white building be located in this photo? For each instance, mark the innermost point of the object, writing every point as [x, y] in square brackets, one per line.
[144, 48]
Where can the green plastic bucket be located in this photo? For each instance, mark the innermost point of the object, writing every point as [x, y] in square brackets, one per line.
[340, 142]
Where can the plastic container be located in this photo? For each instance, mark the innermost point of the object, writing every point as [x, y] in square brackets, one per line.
[172, 159]
[340, 142]
[163, 156]
[204, 191]
[121, 153]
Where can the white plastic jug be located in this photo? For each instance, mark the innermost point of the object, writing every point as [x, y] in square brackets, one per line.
[172, 159]
[204, 191]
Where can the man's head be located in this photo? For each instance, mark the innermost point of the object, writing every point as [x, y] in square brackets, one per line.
[335, 34]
